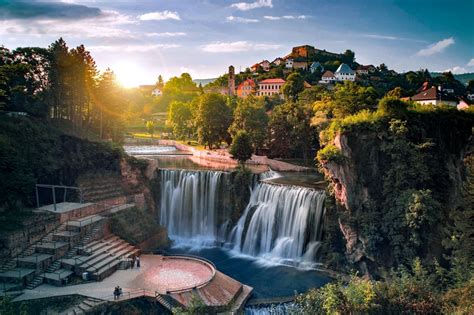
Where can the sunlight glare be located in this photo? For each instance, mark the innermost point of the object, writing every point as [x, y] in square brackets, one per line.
[128, 74]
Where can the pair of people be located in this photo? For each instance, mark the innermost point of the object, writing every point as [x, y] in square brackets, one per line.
[117, 292]
[137, 260]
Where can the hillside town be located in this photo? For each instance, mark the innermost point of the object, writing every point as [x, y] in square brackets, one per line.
[321, 68]
[241, 157]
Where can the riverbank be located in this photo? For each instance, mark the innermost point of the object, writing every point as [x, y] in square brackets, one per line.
[221, 158]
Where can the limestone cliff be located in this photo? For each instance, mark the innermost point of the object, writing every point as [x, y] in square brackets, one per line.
[368, 198]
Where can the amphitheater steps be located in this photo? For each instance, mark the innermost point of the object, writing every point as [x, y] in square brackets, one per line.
[100, 258]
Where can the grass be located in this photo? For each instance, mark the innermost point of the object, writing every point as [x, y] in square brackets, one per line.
[144, 135]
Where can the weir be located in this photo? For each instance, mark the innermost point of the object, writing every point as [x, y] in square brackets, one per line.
[280, 223]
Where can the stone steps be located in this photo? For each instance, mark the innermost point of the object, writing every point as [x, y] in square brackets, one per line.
[83, 307]
[167, 301]
[38, 280]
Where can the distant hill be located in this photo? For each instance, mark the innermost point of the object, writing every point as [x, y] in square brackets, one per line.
[204, 82]
[463, 78]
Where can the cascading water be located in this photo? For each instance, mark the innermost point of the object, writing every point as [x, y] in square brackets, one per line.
[189, 205]
[281, 224]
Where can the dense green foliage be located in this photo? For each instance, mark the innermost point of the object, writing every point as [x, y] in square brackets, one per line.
[180, 119]
[33, 152]
[250, 116]
[241, 148]
[62, 84]
[290, 133]
[213, 119]
[416, 290]
[293, 86]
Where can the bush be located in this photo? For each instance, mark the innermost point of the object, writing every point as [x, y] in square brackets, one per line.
[330, 153]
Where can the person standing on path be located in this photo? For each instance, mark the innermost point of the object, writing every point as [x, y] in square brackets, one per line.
[138, 262]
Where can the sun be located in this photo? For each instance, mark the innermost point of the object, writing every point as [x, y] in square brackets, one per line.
[128, 74]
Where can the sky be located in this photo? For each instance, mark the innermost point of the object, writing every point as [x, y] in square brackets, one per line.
[141, 39]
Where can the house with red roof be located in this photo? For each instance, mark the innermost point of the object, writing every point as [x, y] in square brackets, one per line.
[270, 87]
[328, 77]
[246, 88]
[435, 96]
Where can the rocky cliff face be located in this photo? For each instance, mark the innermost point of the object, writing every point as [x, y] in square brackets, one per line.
[358, 184]
[354, 183]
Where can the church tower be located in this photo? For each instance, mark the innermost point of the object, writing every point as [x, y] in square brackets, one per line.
[231, 80]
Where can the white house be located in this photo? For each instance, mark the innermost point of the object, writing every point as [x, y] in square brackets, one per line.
[344, 72]
[315, 66]
[156, 92]
[328, 77]
[470, 97]
[289, 63]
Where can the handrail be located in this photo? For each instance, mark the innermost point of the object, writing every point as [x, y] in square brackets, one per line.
[200, 284]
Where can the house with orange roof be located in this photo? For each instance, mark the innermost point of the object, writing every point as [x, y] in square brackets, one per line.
[246, 88]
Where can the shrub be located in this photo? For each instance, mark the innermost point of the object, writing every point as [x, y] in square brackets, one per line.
[330, 153]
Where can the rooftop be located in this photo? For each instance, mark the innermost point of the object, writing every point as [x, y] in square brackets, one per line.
[328, 74]
[432, 94]
[343, 68]
[272, 81]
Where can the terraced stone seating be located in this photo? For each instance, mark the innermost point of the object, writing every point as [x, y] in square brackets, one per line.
[83, 224]
[100, 258]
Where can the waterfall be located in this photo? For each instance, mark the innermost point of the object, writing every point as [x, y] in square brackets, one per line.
[281, 224]
[189, 205]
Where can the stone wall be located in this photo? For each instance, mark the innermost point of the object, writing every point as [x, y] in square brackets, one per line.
[35, 227]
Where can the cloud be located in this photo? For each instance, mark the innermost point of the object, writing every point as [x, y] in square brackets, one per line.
[131, 48]
[285, 17]
[245, 6]
[105, 27]
[471, 63]
[166, 34]
[228, 47]
[436, 47]
[240, 19]
[160, 16]
[456, 70]
[45, 10]
[389, 37]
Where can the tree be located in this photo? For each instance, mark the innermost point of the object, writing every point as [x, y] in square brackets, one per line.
[150, 127]
[241, 148]
[180, 119]
[470, 86]
[392, 106]
[382, 67]
[348, 56]
[289, 131]
[213, 118]
[293, 86]
[251, 117]
[346, 99]
[160, 83]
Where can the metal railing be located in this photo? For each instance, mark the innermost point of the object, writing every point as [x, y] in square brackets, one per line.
[53, 189]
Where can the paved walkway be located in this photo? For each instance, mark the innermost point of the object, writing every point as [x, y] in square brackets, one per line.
[155, 274]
